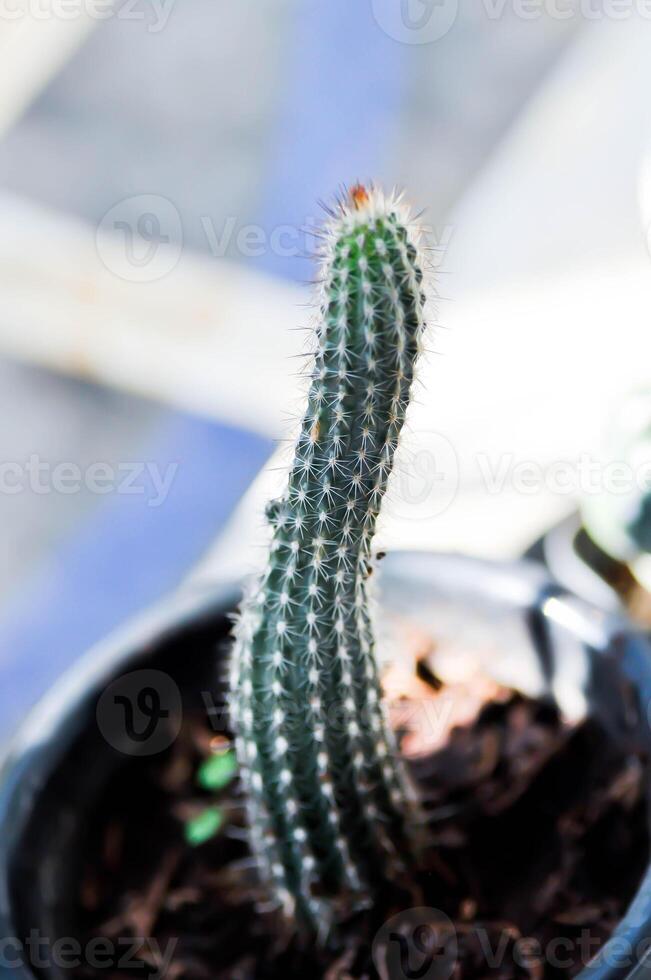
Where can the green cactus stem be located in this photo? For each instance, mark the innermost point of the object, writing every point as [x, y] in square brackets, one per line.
[331, 811]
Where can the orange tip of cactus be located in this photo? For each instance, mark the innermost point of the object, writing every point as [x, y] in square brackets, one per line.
[359, 195]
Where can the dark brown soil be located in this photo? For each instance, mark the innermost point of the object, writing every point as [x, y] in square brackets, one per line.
[539, 840]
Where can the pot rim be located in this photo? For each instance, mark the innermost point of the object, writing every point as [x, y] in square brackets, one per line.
[52, 725]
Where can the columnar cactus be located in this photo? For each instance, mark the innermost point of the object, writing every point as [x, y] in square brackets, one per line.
[331, 811]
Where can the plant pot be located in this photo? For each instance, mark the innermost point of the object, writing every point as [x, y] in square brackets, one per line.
[581, 566]
[551, 644]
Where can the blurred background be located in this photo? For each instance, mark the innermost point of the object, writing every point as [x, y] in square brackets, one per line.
[161, 167]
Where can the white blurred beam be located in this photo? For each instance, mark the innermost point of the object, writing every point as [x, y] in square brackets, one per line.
[549, 282]
[209, 336]
[550, 288]
[35, 41]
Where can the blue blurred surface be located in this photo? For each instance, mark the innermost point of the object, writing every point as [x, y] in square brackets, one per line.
[339, 120]
[234, 110]
[123, 557]
[126, 554]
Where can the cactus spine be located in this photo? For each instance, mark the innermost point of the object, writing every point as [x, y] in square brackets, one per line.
[331, 812]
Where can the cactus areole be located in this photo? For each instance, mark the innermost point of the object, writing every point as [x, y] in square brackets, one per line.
[331, 812]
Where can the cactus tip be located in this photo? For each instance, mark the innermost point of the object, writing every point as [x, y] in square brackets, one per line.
[358, 196]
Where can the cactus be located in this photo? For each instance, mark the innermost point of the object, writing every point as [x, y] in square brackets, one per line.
[331, 812]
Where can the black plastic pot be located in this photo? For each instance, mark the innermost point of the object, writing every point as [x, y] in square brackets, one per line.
[558, 550]
[104, 714]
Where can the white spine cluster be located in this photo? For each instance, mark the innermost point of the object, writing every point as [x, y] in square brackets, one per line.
[330, 807]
